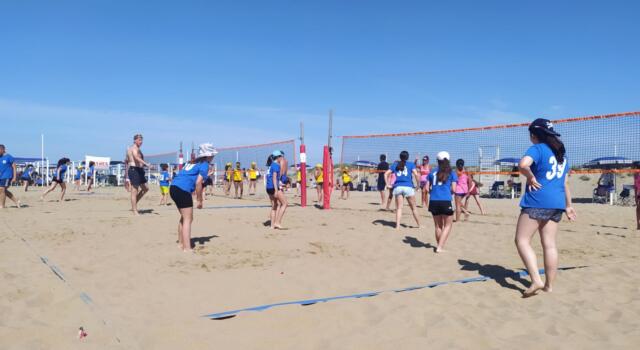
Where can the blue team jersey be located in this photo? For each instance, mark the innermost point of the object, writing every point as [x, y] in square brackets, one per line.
[441, 191]
[6, 166]
[63, 171]
[90, 173]
[550, 175]
[273, 169]
[78, 175]
[404, 177]
[26, 175]
[164, 178]
[187, 177]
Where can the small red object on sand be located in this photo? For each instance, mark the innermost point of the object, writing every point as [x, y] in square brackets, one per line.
[81, 333]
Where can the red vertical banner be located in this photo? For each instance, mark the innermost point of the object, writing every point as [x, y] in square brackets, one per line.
[327, 175]
[303, 176]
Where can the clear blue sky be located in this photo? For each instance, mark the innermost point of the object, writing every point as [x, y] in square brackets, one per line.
[90, 74]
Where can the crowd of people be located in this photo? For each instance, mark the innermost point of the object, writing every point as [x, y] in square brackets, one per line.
[444, 189]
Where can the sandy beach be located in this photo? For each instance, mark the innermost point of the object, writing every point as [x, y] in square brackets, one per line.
[125, 281]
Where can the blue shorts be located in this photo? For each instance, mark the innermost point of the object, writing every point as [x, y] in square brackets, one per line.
[404, 191]
[5, 182]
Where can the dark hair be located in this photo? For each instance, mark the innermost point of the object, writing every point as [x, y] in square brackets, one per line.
[557, 147]
[444, 170]
[164, 166]
[62, 161]
[383, 157]
[270, 160]
[92, 163]
[137, 136]
[404, 156]
[460, 164]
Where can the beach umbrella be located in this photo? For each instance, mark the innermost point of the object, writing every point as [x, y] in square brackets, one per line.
[609, 163]
[508, 161]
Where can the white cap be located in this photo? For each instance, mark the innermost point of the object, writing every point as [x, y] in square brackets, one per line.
[443, 155]
[206, 150]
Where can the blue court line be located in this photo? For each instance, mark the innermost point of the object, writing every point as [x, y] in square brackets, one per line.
[227, 314]
[238, 206]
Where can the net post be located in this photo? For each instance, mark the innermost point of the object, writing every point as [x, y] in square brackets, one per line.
[327, 185]
[303, 169]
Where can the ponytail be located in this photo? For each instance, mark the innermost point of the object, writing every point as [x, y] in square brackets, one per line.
[270, 160]
[444, 170]
[404, 155]
[557, 147]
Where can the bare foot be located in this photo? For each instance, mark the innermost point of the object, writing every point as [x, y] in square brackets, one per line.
[547, 289]
[440, 250]
[532, 290]
[19, 204]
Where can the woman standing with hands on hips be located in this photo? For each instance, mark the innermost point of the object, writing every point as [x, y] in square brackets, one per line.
[188, 180]
[547, 197]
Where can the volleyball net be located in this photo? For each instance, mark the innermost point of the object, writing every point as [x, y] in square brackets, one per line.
[170, 158]
[254, 153]
[493, 149]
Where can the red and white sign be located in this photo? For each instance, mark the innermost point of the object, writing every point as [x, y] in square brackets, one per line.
[101, 162]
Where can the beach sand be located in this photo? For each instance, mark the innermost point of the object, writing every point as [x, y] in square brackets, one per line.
[147, 294]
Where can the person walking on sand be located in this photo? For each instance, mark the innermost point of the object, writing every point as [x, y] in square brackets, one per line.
[442, 183]
[462, 190]
[425, 169]
[403, 186]
[136, 173]
[27, 177]
[547, 197]
[473, 192]
[8, 174]
[188, 180]
[59, 178]
[381, 169]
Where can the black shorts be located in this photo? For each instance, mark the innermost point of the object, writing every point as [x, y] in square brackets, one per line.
[183, 199]
[136, 176]
[55, 179]
[271, 191]
[544, 214]
[346, 183]
[440, 208]
[208, 182]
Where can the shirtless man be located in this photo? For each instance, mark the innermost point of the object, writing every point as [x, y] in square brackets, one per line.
[135, 164]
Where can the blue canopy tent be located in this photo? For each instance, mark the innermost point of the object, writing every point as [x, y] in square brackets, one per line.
[609, 163]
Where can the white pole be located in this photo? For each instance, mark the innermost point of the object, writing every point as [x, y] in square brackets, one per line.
[42, 157]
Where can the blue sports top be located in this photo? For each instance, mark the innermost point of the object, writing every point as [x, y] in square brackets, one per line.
[274, 168]
[187, 177]
[441, 191]
[63, 171]
[404, 177]
[550, 175]
[6, 166]
[164, 178]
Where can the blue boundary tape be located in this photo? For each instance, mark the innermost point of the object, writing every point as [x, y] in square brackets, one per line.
[228, 314]
[238, 206]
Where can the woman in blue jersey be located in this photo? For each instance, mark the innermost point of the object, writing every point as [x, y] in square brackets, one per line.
[91, 174]
[77, 179]
[59, 178]
[27, 177]
[275, 183]
[442, 183]
[403, 187]
[188, 180]
[546, 198]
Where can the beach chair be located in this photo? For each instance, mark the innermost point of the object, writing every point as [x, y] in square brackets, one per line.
[625, 197]
[602, 193]
[497, 190]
